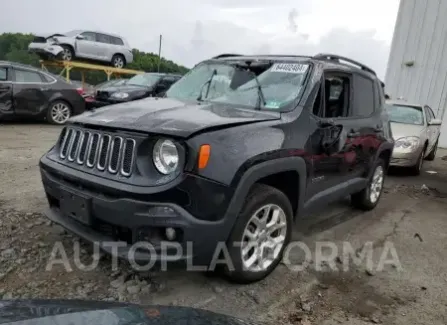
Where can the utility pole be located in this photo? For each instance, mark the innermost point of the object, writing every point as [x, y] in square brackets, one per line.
[159, 54]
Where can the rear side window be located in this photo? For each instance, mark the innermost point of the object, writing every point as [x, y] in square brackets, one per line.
[378, 98]
[27, 76]
[102, 38]
[116, 40]
[363, 96]
[3, 74]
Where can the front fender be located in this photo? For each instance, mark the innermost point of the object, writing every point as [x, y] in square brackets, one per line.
[385, 146]
[233, 149]
[254, 174]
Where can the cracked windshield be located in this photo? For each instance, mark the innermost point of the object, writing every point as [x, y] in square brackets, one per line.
[223, 162]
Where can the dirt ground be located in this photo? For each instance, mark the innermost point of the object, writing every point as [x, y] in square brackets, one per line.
[410, 218]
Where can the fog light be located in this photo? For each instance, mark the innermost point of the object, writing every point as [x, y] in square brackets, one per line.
[170, 233]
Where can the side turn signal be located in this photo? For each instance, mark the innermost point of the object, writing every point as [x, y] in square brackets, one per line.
[204, 155]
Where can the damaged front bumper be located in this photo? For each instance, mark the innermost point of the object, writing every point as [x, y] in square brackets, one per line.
[108, 216]
[405, 159]
[45, 48]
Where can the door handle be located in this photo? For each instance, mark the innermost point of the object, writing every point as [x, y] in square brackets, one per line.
[44, 89]
[5, 87]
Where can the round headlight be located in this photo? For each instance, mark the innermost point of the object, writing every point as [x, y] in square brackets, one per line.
[165, 156]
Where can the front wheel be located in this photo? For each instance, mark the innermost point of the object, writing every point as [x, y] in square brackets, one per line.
[432, 154]
[368, 198]
[67, 53]
[59, 112]
[416, 169]
[260, 235]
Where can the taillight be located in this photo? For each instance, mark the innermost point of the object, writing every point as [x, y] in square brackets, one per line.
[80, 91]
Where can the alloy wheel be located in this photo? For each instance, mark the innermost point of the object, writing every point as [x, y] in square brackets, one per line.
[376, 184]
[60, 113]
[66, 55]
[263, 238]
[118, 62]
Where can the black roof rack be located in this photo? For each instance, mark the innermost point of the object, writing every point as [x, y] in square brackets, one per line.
[338, 58]
[226, 55]
[285, 55]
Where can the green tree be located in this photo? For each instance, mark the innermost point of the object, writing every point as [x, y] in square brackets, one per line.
[14, 47]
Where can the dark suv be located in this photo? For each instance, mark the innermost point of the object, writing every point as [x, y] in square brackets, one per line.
[236, 151]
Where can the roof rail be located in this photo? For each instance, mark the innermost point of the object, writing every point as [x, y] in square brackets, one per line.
[226, 55]
[285, 55]
[338, 58]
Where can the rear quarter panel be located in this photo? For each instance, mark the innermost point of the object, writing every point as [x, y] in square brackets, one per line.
[68, 93]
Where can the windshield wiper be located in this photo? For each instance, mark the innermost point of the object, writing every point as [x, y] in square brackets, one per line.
[261, 97]
[208, 82]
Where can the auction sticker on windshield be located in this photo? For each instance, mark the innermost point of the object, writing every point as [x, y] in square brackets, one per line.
[297, 68]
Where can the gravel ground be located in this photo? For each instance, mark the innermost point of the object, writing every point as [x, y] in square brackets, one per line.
[410, 215]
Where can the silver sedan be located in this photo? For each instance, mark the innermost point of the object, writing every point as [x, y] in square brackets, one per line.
[415, 131]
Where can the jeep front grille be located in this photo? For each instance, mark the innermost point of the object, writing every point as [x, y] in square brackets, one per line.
[105, 152]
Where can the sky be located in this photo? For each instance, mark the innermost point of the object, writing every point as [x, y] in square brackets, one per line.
[194, 30]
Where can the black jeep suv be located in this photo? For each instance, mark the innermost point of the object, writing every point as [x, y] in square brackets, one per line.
[235, 152]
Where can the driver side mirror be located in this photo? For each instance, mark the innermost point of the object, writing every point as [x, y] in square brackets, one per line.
[435, 122]
[80, 37]
[331, 139]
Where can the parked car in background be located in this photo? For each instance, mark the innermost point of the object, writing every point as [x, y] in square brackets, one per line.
[416, 131]
[112, 82]
[98, 46]
[89, 96]
[138, 87]
[27, 92]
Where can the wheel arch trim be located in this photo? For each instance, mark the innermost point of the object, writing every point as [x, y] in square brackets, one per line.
[257, 172]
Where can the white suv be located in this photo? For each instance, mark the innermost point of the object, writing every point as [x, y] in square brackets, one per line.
[84, 44]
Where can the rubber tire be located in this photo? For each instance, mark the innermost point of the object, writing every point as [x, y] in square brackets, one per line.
[416, 169]
[432, 154]
[259, 195]
[50, 118]
[361, 200]
[70, 49]
[113, 59]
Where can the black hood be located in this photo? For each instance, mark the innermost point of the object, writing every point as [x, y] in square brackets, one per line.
[125, 89]
[81, 312]
[171, 117]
